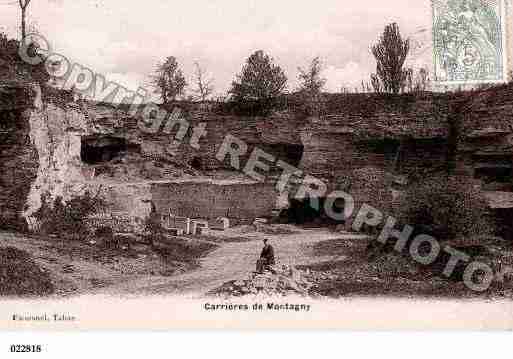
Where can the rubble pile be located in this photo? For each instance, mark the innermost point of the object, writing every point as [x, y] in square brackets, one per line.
[280, 281]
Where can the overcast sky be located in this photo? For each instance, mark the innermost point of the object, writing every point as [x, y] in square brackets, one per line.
[125, 39]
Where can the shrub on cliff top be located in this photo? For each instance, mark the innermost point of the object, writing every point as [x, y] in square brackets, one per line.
[21, 276]
[447, 207]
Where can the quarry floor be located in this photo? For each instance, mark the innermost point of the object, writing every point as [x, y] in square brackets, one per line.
[196, 265]
[235, 259]
[221, 256]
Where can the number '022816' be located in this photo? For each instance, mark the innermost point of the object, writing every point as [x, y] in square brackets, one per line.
[17, 348]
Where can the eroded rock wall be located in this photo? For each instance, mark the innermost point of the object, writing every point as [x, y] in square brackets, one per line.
[129, 180]
[56, 133]
[43, 144]
[18, 166]
[209, 199]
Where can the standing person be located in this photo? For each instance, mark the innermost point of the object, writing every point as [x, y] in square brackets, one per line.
[266, 257]
[153, 224]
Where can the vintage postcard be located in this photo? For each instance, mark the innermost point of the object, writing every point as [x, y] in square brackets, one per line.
[271, 164]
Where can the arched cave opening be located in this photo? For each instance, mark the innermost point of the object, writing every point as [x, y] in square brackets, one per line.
[286, 152]
[196, 163]
[307, 212]
[95, 150]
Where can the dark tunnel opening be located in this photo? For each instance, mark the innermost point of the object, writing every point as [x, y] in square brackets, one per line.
[95, 150]
[286, 152]
[312, 213]
[196, 163]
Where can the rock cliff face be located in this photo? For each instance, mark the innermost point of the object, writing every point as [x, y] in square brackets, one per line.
[54, 146]
[408, 134]
[369, 130]
[66, 149]
[18, 165]
[58, 154]
[61, 134]
[239, 200]
[41, 156]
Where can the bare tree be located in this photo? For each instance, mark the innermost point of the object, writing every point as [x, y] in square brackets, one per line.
[390, 53]
[23, 6]
[311, 84]
[311, 80]
[344, 90]
[416, 83]
[169, 80]
[422, 80]
[376, 83]
[408, 85]
[204, 84]
[366, 87]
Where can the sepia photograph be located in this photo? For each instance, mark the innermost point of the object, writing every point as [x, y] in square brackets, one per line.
[243, 164]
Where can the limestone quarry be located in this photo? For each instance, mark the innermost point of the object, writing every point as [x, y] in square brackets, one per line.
[57, 146]
[58, 149]
[77, 147]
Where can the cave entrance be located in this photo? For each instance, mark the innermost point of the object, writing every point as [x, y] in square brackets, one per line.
[500, 173]
[493, 167]
[95, 150]
[302, 212]
[196, 163]
[286, 152]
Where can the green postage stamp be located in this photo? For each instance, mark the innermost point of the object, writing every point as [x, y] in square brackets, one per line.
[469, 41]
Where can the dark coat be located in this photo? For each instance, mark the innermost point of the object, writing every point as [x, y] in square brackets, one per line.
[268, 254]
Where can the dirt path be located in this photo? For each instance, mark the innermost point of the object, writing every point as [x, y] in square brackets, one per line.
[75, 271]
[233, 261]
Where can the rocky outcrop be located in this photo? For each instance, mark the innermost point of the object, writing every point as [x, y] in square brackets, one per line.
[55, 146]
[56, 133]
[205, 198]
[58, 150]
[130, 168]
[362, 130]
[280, 281]
[18, 155]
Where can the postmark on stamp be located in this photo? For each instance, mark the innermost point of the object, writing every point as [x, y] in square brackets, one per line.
[469, 41]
